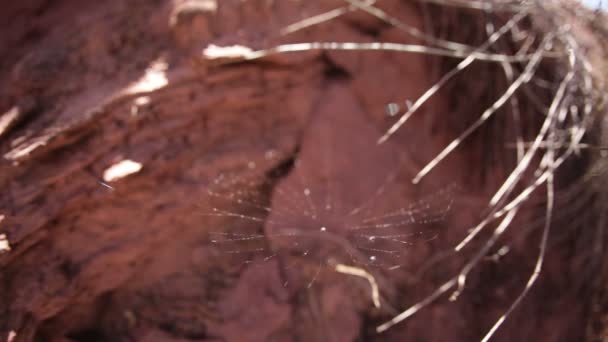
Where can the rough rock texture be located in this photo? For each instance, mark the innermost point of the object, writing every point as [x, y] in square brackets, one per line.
[94, 253]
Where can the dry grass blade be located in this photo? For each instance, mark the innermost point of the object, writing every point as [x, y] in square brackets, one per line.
[320, 18]
[490, 6]
[359, 272]
[378, 46]
[411, 30]
[519, 142]
[551, 115]
[450, 283]
[525, 77]
[470, 58]
[539, 261]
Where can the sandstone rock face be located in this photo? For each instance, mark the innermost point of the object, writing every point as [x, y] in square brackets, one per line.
[150, 193]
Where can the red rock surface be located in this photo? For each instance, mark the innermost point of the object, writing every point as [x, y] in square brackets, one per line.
[128, 255]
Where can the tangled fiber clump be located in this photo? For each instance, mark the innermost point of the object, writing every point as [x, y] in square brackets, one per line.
[547, 103]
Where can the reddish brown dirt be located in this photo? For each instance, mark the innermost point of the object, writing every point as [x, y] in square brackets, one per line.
[89, 84]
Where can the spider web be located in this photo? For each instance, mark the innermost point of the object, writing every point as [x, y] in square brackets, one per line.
[320, 213]
[378, 240]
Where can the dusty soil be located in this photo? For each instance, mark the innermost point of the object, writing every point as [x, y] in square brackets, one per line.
[126, 153]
